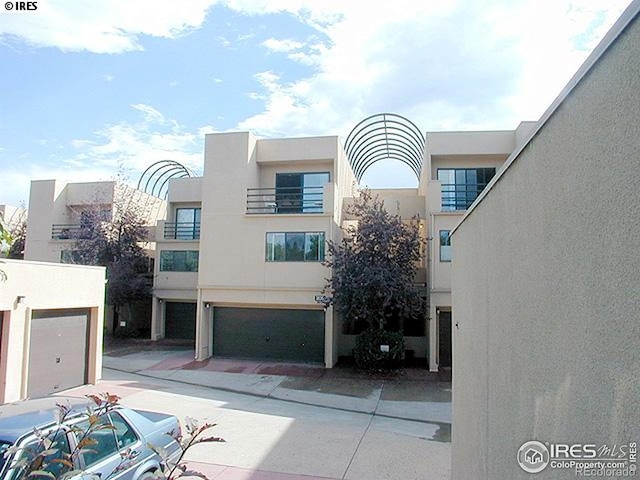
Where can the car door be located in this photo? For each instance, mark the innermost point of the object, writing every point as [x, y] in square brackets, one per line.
[106, 453]
[97, 448]
[50, 453]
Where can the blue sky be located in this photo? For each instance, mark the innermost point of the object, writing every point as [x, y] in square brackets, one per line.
[91, 87]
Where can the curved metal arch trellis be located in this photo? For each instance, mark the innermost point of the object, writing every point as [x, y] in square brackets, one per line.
[385, 136]
[155, 178]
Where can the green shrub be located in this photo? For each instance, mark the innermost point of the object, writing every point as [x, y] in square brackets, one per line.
[369, 356]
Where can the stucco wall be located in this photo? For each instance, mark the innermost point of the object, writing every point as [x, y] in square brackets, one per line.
[546, 282]
[44, 286]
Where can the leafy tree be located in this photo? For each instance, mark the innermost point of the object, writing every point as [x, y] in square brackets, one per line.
[19, 235]
[117, 243]
[6, 239]
[373, 270]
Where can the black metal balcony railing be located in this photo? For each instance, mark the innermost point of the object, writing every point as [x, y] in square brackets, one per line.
[182, 230]
[285, 200]
[460, 196]
[61, 231]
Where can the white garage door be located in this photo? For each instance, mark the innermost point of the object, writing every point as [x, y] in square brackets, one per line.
[57, 351]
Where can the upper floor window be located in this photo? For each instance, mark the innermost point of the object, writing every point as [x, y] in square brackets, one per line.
[300, 192]
[179, 261]
[186, 226]
[461, 186]
[295, 247]
[445, 246]
[70, 256]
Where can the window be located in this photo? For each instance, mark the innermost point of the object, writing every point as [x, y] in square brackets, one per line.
[187, 226]
[461, 186]
[103, 442]
[70, 256]
[300, 192]
[179, 261]
[3, 448]
[295, 247]
[110, 435]
[445, 246]
[89, 216]
[125, 436]
[53, 462]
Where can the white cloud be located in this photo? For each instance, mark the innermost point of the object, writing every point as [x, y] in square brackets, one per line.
[102, 26]
[125, 147]
[446, 65]
[286, 45]
[135, 146]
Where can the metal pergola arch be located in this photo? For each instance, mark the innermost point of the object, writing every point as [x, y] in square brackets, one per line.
[154, 179]
[385, 136]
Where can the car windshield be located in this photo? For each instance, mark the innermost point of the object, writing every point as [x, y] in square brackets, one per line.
[3, 448]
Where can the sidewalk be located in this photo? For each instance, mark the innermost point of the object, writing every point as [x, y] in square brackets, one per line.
[413, 394]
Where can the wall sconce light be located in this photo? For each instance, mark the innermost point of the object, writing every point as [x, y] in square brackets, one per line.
[207, 305]
[160, 300]
[323, 300]
[20, 299]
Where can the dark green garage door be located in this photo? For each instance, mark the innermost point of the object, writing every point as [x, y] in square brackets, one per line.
[180, 320]
[273, 334]
[57, 351]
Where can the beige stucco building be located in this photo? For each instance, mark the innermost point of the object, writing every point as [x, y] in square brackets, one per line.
[239, 256]
[51, 323]
[546, 282]
[239, 250]
[56, 210]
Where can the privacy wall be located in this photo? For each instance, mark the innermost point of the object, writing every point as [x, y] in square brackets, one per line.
[546, 283]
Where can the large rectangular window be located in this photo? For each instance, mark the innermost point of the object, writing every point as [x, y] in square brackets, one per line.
[445, 246]
[461, 186]
[295, 247]
[179, 261]
[300, 192]
[187, 226]
[70, 256]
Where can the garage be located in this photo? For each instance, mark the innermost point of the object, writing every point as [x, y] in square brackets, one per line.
[269, 334]
[180, 320]
[58, 348]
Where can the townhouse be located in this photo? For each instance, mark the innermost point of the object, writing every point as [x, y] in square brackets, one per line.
[239, 257]
[239, 250]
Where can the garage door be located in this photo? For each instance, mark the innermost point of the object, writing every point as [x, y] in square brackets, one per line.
[180, 320]
[272, 334]
[58, 351]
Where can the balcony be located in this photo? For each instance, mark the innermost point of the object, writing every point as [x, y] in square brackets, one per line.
[182, 230]
[285, 200]
[62, 231]
[459, 196]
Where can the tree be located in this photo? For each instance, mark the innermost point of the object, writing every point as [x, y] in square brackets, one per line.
[19, 236]
[373, 270]
[116, 242]
[6, 239]
[13, 232]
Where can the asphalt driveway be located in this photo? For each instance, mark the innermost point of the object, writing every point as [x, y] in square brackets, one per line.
[292, 422]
